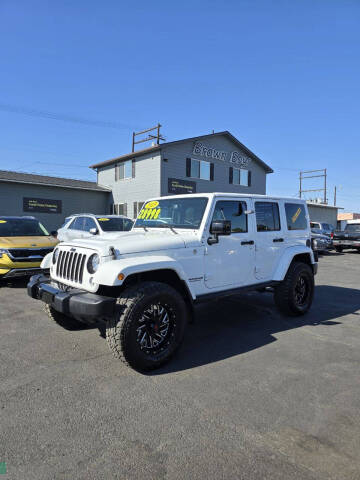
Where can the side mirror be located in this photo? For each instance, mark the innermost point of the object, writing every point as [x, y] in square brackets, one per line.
[94, 231]
[219, 227]
[54, 233]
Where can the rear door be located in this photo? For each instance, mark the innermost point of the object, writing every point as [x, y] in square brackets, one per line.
[270, 238]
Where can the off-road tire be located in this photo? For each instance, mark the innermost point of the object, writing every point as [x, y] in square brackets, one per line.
[285, 293]
[338, 249]
[62, 319]
[122, 327]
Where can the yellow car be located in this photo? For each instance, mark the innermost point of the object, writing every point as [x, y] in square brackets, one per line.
[23, 244]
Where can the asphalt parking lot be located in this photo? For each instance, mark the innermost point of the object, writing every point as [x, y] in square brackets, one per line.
[251, 394]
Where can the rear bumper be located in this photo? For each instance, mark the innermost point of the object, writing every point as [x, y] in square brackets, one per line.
[347, 243]
[76, 303]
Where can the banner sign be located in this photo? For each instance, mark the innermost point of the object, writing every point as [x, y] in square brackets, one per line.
[178, 186]
[41, 205]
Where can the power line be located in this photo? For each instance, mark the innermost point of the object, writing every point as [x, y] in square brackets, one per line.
[63, 117]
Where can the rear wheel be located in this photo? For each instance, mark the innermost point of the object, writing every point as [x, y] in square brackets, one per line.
[148, 326]
[339, 249]
[294, 295]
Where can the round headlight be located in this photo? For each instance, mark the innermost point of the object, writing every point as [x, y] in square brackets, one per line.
[93, 263]
[55, 255]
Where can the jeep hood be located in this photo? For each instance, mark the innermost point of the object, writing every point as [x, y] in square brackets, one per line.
[138, 241]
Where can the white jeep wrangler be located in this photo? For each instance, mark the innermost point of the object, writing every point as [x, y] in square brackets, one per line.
[181, 251]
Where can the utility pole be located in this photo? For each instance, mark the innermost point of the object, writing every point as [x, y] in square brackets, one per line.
[305, 175]
[335, 196]
[150, 137]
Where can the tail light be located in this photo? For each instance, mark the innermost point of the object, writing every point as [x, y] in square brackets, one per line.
[332, 235]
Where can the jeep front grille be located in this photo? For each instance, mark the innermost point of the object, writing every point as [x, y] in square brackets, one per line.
[70, 266]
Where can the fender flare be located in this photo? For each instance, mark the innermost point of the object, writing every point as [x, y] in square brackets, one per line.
[108, 272]
[46, 262]
[288, 256]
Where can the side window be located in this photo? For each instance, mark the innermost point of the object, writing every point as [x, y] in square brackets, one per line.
[233, 211]
[77, 224]
[295, 216]
[89, 223]
[127, 224]
[267, 216]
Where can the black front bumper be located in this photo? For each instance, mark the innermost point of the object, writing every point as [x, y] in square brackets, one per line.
[75, 302]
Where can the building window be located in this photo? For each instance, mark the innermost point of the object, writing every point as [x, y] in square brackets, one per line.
[119, 209]
[240, 176]
[199, 169]
[137, 208]
[125, 170]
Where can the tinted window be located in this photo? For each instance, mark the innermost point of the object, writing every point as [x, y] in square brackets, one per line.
[77, 224]
[295, 216]
[89, 223]
[233, 211]
[352, 227]
[112, 224]
[21, 227]
[267, 216]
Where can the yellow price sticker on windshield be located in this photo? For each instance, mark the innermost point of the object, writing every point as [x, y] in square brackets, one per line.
[296, 214]
[149, 213]
[152, 204]
[103, 219]
[2, 221]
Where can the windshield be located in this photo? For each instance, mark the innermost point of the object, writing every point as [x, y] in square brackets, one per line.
[175, 212]
[22, 227]
[111, 224]
[355, 227]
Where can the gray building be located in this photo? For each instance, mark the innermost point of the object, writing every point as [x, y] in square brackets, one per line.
[320, 212]
[50, 199]
[208, 163]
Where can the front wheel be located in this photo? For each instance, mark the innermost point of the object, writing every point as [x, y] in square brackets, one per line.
[148, 326]
[295, 293]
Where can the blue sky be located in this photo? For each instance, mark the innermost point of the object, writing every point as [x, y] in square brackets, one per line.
[282, 76]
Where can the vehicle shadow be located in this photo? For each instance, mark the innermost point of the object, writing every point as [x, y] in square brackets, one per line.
[240, 324]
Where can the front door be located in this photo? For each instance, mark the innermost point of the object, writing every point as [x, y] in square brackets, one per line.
[230, 263]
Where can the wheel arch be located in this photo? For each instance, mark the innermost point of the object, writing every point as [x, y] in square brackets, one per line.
[291, 255]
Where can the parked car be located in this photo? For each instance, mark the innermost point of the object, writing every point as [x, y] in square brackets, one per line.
[348, 238]
[85, 225]
[323, 228]
[24, 242]
[320, 242]
[182, 250]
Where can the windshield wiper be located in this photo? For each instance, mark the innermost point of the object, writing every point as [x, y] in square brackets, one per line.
[171, 228]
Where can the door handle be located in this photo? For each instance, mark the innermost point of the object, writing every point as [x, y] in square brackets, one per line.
[248, 242]
[278, 240]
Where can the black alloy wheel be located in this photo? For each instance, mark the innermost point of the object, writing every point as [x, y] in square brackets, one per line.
[156, 327]
[302, 290]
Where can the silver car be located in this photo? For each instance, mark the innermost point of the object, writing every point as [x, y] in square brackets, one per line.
[86, 225]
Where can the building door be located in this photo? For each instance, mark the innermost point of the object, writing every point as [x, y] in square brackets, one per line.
[231, 261]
